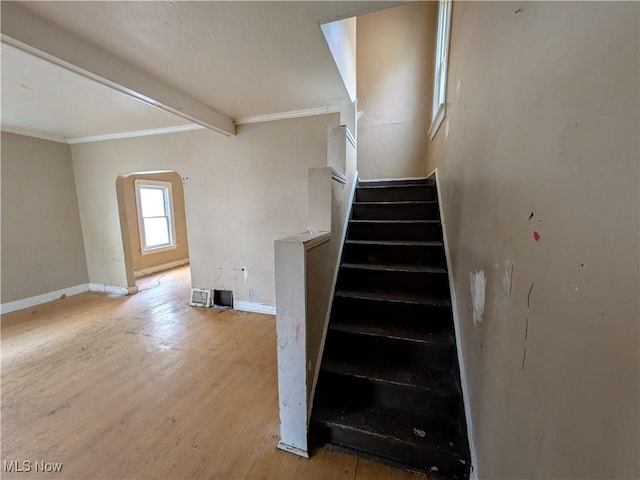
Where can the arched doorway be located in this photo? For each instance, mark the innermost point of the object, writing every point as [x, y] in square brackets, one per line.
[152, 221]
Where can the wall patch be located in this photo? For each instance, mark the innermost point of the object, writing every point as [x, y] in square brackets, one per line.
[477, 283]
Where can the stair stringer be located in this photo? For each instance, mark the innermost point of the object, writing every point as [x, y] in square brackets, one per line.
[473, 474]
[345, 221]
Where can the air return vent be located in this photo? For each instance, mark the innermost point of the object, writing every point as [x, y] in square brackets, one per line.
[223, 298]
[200, 297]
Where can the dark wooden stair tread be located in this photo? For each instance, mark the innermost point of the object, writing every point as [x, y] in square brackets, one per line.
[397, 203]
[388, 186]
[438, 382]
[421, 182]
[395, 222]
[396, 426]
[394, 267]
[410, 332]
[397, 297]
[397, 243]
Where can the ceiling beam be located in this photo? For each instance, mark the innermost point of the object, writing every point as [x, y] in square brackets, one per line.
[33, 34]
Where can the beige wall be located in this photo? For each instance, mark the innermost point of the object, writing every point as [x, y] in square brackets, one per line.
[341, 40]
[42, 248]
[129, 218]
[546, 122]
[395, 74]
[321, 264]
[241, 193]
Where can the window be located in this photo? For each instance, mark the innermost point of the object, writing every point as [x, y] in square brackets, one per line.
[155, 216]
[441, 61]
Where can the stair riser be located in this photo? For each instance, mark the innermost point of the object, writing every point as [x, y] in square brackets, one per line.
[427, 182]
[359, 253]
[391, 194]
[354, 392]
[343, 346]
[392, 211]
[389, 231]
[423, 330]
[415, 456]
[346, 308]
[381, 280]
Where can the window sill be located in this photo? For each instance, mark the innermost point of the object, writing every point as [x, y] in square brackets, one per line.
[149, 251]
[437, 120]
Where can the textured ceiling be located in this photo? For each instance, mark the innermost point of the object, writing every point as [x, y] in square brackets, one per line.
[239, 58]
[44, 99]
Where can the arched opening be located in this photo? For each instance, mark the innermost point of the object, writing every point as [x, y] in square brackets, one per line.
[152, 221]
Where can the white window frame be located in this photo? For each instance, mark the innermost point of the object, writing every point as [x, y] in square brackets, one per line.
[441, 67]
[168, 201]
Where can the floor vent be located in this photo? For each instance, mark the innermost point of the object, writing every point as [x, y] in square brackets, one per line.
[223, 298]
[200, 297]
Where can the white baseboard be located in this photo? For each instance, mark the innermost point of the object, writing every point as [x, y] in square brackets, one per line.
[255, 307]
[118, 290]
[294, 450]
[160, 268]
[456, 325]
[65, 292]
[43, 298]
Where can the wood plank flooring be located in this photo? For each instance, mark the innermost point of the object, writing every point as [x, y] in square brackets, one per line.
[148, 387]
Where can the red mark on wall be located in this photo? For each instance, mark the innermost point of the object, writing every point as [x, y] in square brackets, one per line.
[536, 236]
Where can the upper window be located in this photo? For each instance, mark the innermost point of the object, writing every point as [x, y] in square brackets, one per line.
[441, 61]
[155, 216]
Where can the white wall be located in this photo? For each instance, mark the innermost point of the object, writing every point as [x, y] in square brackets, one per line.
[241, 194]
[395, 74]
[42, 249]
[341, 40]
[306, 267]
[545, 125]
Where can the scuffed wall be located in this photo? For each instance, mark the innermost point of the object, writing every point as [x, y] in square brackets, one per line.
[538, 161]
[322, 262]
[241, 194]
[395, 74]
[42, 248]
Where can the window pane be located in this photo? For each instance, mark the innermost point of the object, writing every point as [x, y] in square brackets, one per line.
[156, 231]
[152, 202]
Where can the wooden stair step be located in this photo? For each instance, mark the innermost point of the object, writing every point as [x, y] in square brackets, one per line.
[395, 222]
[395, 193]
[394, 425]
[397, 243]
[430, 444]
[395, 268]
[410, 332]
[422, 182]
[436, 382]
[395, 297]
[408, 229]
[398, 203]
[366, 186]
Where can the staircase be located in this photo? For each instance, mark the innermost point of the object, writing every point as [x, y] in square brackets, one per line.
[389, 385]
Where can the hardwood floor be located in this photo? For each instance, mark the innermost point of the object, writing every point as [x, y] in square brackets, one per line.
[148, 387]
